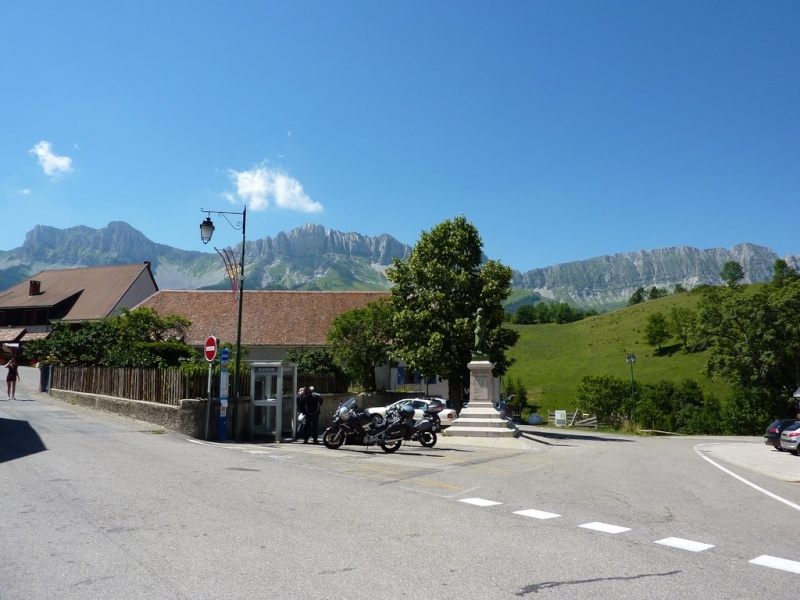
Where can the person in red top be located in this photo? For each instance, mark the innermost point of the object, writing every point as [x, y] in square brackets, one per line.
[12, 377]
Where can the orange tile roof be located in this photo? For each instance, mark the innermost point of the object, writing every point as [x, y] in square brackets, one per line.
[269, 318]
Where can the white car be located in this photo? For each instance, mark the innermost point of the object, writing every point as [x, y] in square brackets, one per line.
[447, 416]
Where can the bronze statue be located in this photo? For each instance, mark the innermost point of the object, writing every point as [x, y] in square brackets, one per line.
[480, 334]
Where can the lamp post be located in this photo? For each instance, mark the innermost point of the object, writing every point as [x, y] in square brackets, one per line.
[206, 231]
[630, 360]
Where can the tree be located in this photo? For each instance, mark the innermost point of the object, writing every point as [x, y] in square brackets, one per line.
[683, 325]
[514, 389]
[782, 272]
[656, 293]
[525, 315]
[134, 338]
[637, 297]
[436, 294]
[361, 340]
[317, 362]
[656, 330]
[679, 289]
[604, 395]
[732, 273]
[756, 337]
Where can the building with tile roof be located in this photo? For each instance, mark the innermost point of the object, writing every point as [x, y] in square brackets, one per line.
[29, 309]
[273, 322]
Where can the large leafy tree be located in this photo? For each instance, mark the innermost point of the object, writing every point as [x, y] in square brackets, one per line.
[360, 341]
[436, 294]
[756, 338]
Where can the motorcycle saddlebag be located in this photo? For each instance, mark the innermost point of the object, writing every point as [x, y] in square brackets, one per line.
[424, 425]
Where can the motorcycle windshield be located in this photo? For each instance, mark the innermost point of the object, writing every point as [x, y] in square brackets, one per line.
[350, 404]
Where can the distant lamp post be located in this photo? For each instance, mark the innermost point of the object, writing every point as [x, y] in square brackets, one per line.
[630, 360]
[206, 231]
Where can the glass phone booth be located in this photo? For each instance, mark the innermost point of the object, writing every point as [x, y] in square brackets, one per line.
[273, 401]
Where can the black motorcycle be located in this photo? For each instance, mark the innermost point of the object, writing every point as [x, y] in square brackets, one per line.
[354, 425]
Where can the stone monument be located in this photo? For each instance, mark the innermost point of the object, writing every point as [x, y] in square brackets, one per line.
[480, 418]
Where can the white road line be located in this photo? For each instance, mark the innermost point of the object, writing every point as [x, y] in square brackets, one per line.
[743, 480]
[536, 514]
[682, 544]
[479, 501]
[777, 563]
[604, 527]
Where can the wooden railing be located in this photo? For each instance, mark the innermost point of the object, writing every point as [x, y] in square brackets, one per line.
[165, 386]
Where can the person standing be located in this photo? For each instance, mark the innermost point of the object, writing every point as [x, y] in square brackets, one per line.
[312, 402]
[12, 377]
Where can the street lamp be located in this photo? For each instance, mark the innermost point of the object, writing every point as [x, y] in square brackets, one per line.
[630, 360]
[206, 231]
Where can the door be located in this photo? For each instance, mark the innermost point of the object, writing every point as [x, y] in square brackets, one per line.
[265, 414]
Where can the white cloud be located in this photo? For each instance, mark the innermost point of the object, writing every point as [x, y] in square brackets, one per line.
[25, 191]
[52, 164]
[262, 186]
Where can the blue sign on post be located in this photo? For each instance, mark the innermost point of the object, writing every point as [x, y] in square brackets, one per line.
[224, 359]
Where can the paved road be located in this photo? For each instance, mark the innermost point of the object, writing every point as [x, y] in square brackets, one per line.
[94, 506]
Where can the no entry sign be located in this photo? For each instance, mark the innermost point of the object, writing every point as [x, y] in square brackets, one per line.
[211, 348]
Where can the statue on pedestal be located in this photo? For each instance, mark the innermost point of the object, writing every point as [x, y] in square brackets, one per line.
[480, 350]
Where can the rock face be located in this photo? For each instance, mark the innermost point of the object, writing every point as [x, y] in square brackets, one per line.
[308, 257]
[611, 280]
[313, 258]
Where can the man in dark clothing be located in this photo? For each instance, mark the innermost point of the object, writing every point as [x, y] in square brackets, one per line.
[312, 402]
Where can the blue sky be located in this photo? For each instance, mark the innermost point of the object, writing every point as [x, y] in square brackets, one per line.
[563, 130]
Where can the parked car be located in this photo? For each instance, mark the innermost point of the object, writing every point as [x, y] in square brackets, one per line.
[772, 437]
[790, 438]
[447, 416]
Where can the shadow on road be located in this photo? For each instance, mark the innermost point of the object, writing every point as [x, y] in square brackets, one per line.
[18, 439]
[561, 436]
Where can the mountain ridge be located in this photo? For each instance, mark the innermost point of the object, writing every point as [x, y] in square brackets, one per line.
[313, 258]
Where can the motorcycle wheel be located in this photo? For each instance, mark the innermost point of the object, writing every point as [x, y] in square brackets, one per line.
[392, 446]
[333, 438]
[428, 439]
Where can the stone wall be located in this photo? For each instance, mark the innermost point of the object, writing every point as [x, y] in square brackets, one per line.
[189, 417]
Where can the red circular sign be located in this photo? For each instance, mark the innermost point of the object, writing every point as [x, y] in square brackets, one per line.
[211, 348]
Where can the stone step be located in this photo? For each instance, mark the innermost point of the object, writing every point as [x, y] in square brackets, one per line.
[467, 431]
[489, 420]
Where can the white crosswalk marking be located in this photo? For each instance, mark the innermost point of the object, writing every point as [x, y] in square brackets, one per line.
[765, 560]
[777, 563]
[605, 527]
[479, 502]
[536, 514]
[683, 544]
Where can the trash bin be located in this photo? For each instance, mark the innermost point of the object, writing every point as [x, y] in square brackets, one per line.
[44, 378]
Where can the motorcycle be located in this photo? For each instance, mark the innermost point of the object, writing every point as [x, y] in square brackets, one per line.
[351, 424]
[425, 430]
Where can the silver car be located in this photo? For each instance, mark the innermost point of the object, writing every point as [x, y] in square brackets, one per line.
[790, 438]
[447, 416]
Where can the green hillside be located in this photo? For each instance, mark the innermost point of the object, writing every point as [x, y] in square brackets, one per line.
[551, 359]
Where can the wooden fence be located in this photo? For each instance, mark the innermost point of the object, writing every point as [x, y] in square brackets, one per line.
[165, 386]
[574, 419]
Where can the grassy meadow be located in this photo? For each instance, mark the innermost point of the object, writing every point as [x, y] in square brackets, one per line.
[551, 359]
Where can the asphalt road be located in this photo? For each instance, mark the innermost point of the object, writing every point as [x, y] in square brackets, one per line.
[96, 506]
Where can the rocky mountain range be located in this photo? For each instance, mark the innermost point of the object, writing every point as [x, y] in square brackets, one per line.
[313, 258]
